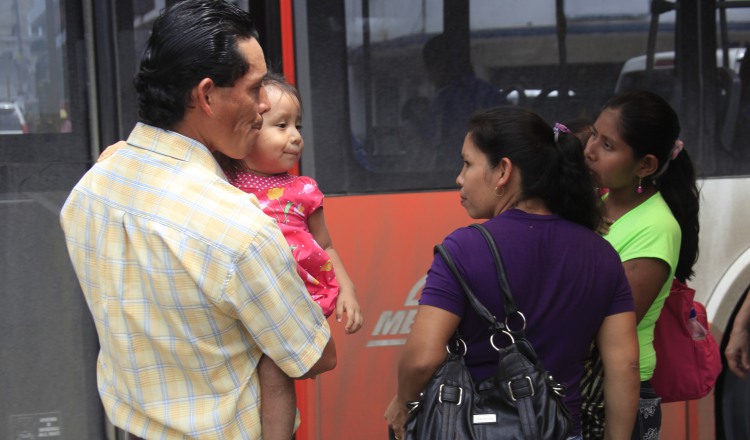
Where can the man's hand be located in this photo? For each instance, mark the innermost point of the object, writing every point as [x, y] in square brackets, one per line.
[737, 351]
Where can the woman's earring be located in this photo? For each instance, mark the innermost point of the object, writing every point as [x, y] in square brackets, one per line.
[639, 190]
[501, 193]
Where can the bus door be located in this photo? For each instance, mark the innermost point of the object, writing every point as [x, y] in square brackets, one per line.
[48, 344]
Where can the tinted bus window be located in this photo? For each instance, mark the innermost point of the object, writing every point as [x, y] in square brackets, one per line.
[391, 87]
[34, 96]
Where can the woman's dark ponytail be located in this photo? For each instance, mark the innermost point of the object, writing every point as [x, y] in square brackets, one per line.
[679, 189]
[572, 194]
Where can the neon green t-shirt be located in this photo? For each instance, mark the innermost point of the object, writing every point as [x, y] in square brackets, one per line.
[648, 231]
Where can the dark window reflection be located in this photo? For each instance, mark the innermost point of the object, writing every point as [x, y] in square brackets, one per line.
[415, 71]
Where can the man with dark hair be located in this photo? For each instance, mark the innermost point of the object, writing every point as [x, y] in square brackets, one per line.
[189, 283]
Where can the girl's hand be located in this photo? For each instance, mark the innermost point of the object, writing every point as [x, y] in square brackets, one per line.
[111, 150]
[347, 303]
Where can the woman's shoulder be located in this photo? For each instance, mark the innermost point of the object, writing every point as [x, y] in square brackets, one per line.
[652, 216]
[458, 236]
[464, 241]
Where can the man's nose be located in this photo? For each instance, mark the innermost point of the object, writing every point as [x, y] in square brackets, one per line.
[263, 103]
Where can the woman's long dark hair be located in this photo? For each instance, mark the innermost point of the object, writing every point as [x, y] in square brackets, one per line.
[650, 126]
[552, 166]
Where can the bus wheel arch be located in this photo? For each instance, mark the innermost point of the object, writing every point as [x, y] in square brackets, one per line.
[728, 292]
[731, 394]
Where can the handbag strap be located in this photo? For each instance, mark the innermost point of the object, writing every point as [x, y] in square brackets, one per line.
[509, 303]
[475, 304]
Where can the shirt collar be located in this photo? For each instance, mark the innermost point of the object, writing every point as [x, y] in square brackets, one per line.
[174, 145]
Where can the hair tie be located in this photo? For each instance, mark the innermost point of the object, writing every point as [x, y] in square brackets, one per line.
[559, 128]
[678, 145]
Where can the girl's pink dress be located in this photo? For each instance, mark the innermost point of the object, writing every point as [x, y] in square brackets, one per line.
[291, 200]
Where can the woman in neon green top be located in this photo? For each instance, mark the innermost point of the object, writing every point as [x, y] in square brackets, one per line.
[652, 213]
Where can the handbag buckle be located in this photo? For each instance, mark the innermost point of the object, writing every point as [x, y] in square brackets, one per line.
[413, 405]
[524, 379]
[460, 394]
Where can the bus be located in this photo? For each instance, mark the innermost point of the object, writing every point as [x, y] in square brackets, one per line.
[381, 142]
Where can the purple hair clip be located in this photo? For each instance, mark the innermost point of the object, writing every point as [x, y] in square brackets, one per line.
[559, 128]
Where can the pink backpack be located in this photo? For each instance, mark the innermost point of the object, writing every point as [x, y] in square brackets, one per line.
[686, 368]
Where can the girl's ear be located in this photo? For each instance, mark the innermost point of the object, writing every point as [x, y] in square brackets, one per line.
[647, 166]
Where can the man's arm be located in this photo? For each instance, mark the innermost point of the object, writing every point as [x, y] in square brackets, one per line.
[271, 301]
[326, 362]
[738, 346]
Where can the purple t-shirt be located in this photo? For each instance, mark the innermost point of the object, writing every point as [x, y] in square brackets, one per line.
[564, 278]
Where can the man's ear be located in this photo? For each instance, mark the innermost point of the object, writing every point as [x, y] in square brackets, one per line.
[648, 165]
[203, 95]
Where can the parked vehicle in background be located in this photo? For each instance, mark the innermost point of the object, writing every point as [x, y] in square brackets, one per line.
[11, 119]
[634, 69]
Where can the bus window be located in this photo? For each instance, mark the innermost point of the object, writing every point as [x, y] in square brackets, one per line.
[389, 89]
[34, 96]
[49, 344]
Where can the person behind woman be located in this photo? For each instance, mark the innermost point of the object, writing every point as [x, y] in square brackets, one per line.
[533, 186]
[581, 127]
[652, 211]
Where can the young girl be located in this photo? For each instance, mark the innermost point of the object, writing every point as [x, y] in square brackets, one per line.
[652, 205]
[297, 205]
[295, 202]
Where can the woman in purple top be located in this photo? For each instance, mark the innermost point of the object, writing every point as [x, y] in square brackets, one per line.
[531, 182]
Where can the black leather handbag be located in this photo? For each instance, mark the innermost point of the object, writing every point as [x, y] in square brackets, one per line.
[521, 401]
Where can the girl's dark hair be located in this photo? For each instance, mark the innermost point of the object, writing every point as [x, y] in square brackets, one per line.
[552, 167]
[649, 125]
[191, 40]
[278, 80]
[232, 166]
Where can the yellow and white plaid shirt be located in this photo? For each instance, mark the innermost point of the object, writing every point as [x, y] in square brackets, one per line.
[189, 284]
